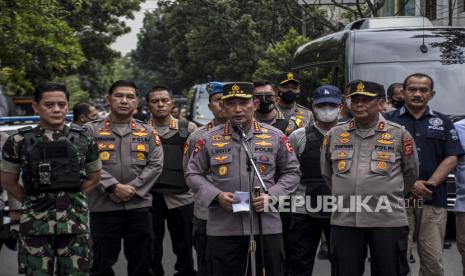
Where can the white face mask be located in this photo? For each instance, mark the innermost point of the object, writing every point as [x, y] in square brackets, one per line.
[327, 114]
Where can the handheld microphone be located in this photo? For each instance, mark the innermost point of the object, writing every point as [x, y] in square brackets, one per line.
[239, 130]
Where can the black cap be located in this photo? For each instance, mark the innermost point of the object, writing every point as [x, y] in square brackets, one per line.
[242, 90]
[366, 88]
[287, 77]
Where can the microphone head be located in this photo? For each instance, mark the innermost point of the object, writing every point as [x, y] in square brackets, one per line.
[238, 129]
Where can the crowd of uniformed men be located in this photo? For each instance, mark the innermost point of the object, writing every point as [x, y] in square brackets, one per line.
[95, 185]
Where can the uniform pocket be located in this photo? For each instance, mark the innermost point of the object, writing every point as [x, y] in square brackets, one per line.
[221, 164]
[107, 153]
[139, 153]
[342, 160]
[435, 134]
[382, 162]
[265, 163]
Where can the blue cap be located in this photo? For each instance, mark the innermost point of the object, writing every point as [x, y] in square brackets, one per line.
[214, 87]
[327, 94]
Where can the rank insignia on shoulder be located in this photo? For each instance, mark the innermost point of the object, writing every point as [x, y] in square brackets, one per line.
[263, 136]
[223, 170]
[263, 143]
[408, 146]
[220, 145]
[104, 155]
[140, 156]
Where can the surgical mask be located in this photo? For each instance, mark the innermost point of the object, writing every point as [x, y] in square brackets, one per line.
[266, 105]
[288, 96]
[327, 114]
[397, 104]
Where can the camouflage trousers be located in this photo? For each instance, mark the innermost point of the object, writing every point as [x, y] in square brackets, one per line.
[37, 255]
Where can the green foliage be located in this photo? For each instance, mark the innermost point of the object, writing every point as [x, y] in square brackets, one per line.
[194, 41]
[50, 39]
[278, 58]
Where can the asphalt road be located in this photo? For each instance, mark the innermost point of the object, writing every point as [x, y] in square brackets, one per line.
[452, 263]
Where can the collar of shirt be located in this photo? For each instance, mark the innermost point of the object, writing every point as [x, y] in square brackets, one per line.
[254, 129]
[404, 111]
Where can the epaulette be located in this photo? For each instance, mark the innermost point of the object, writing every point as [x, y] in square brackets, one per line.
[394, 124]
[76, 128]
[139, 121]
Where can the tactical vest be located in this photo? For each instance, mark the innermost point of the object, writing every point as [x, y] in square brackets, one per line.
[51, 166]
[281, 124]
[310, 165]
[171, 180]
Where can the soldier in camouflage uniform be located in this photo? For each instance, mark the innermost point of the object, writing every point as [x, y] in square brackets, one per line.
[58, 166]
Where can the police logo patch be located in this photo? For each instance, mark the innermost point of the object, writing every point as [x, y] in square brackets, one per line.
[435, 121]
[381, 165]
[223, 170]
[262, 168]
[453, 134]
[408, 146]
[140, 156]
[199, 145]
[341, 165]
[186, 148]
[104, 155]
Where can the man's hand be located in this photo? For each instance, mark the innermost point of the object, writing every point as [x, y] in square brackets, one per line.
[124, 192]
[226, 199]
[259, 202]
[420, 190]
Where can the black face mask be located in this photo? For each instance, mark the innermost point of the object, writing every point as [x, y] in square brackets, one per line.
[266, 106]
[397, 104]
[288, 96]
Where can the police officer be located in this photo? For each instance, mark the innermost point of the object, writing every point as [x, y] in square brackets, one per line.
[288, 92]
[173, 201]
[215, 92]
[132, 159]
[438, 148]
[369, 164]
[58, 165]
[307, 227]
[268, 112]
[217, 169]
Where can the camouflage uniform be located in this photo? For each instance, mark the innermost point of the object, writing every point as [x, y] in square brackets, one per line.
[53, 224]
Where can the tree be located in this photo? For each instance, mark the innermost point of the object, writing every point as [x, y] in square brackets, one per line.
[278, 58]
[195, 41]
[36, 45]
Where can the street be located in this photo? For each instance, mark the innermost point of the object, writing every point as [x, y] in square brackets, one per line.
[452, 263]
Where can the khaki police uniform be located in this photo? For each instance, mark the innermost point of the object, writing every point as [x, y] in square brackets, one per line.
[377, 162]
[131, 153]
[174, 208]
[218, 164]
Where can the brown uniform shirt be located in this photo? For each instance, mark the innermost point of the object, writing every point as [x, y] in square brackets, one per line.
[218, 163]
[378, 162]
[131, 154]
